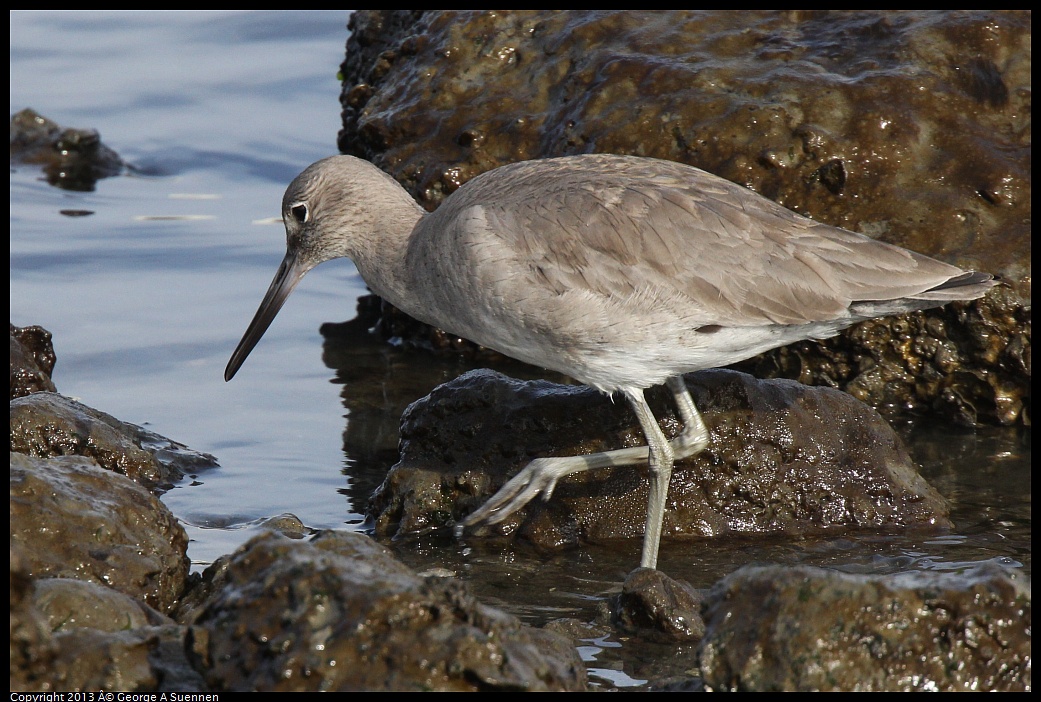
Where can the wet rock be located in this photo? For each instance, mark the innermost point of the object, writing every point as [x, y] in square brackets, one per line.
[913, 127]
[804, 628]
[72, 159]
[32, 361]
[73, 519]
[963, 363]
[200, 589]
[680, 684]
[92, 552]
[577, 630]
[203, 587]
[828, 113]
[72, 635]
[658, 607]
[89, 659]
[287, 524]
[339, 613]
[81, 604]
[48, 424]
[783, 458]
[32, 647]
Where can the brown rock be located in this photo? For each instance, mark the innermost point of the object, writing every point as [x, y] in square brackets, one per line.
[783, 458]
[805, 628]
[32, 361]
[339, 613]
[73, 519]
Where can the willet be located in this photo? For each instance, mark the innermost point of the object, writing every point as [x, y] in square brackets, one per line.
[620, 272]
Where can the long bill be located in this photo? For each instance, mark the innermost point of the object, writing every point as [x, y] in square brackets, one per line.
[289, 274]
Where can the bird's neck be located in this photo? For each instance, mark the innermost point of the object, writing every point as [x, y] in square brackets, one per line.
[382, 263]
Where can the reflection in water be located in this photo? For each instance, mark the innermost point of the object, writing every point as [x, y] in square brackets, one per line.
[380, 381]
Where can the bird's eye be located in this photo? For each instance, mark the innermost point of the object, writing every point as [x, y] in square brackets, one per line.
[300, 212]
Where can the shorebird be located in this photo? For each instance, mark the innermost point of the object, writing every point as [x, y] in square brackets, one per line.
[619, 271]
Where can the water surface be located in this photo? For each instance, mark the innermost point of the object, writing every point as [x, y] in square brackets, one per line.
[147, 296]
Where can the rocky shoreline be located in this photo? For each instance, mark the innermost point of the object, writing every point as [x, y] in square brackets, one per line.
[102, 598]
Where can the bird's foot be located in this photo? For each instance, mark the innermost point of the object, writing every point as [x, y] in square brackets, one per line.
[537, 479]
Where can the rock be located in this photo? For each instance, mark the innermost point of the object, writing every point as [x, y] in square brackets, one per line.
[653, 604]
[338, 612]
[48, 424]
[805, 628]
[74, 635]
[831, 114]
[72, 159]
[912, 127]
[82, 604]
[74, 519]
[783, 458]
[32, 361]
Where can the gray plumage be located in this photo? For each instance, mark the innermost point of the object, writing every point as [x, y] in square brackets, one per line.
[621, 272]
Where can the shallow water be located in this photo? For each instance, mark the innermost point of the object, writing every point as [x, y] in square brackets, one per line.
[217, 113]
[148, 295]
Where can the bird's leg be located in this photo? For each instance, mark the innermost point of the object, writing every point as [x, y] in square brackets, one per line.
[659, 463]
[541, 475]
[694, 437]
